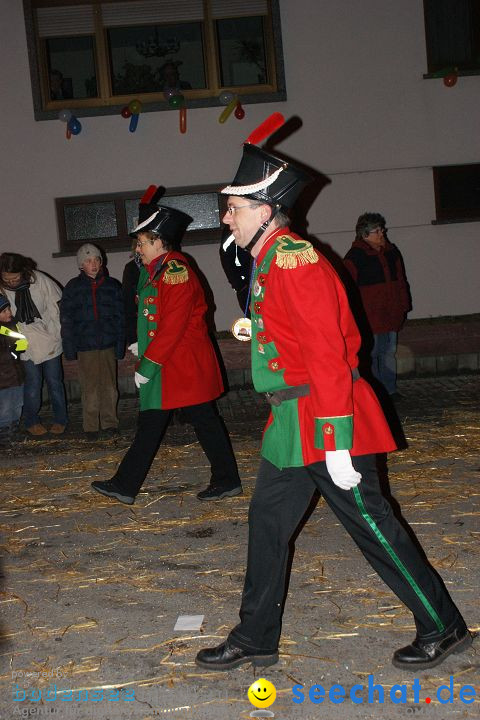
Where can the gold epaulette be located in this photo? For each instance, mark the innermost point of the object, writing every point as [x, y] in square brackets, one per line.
[291, 253]
[175, 273]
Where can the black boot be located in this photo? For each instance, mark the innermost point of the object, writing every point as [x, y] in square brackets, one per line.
[227, 657]
[214, 492]
[425, 653]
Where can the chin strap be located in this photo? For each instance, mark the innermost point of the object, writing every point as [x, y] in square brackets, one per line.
[262, 228]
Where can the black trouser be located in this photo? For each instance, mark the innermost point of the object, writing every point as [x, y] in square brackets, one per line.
[151, 425]
[280, 501]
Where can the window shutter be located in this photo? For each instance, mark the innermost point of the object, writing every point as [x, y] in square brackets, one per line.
[149, 12]
[65, 21]
[238, 8]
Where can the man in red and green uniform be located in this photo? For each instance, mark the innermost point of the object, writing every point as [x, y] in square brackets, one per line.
[324, 431]
[177, 365]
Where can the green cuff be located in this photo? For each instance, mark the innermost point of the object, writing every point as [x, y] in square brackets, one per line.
[148, 369]
[334, 433]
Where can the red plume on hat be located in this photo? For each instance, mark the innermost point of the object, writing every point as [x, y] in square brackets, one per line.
[166, 221]
[266, 128]
[148, 203]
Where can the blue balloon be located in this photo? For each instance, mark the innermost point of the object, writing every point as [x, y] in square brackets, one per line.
[133, 122]
[74, 125]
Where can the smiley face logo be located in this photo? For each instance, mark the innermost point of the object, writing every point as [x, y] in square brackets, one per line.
[262, 693]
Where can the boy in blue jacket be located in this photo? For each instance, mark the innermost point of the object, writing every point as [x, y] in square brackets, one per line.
[92, 319]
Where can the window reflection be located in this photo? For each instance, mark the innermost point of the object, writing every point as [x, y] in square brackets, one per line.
[156, 58]
[241, 43]
[71, 62]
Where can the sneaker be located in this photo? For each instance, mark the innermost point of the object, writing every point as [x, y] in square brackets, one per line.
[216, 493]
[37, 430]
[111, 490]
[57, 429]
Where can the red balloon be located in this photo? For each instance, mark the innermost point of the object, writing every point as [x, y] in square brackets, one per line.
[450, 79]
[125, 112]
[183, 120]
[239, 112]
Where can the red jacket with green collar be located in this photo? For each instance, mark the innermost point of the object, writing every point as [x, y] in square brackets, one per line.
[174, 347]
[303, 332]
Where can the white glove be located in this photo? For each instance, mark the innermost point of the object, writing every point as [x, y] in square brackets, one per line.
[134, 348]
[341, 470]
[140, 380]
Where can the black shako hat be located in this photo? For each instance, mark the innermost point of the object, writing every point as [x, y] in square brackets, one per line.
[264, 176]
[268, 178]
[148, 204]
[167, 222]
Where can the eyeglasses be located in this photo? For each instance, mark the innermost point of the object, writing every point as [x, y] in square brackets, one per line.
[231, 209]
[377, 230]
[141, 243]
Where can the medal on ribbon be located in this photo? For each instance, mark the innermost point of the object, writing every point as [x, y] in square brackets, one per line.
[242, 328]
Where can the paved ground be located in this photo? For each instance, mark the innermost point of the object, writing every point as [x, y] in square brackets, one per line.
[92, 588]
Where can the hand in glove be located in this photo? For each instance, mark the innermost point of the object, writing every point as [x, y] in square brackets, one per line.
[341, 470]
[140, 380]
[134, 348]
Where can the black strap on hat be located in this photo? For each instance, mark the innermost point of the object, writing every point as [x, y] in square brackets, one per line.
[262, 228]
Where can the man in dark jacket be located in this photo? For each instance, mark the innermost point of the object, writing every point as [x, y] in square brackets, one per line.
[377, 268]
[131, 273]
[92, 318]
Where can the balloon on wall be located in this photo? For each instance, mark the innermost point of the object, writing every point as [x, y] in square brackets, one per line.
[225, 114]
[135, 107]
[226, 97]
[176, 100]
[450, 80]
[239, 112]
[183, 120]
[132, 111]
[64, 115]
[73, 125]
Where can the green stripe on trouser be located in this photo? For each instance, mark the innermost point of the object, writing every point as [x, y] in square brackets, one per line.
[401, 567]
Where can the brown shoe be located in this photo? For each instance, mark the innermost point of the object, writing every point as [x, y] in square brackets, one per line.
[37, 429]
[57, 429]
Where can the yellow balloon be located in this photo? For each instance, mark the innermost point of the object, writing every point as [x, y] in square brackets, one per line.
[135, 107]
[262, 693]
[228, 111]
